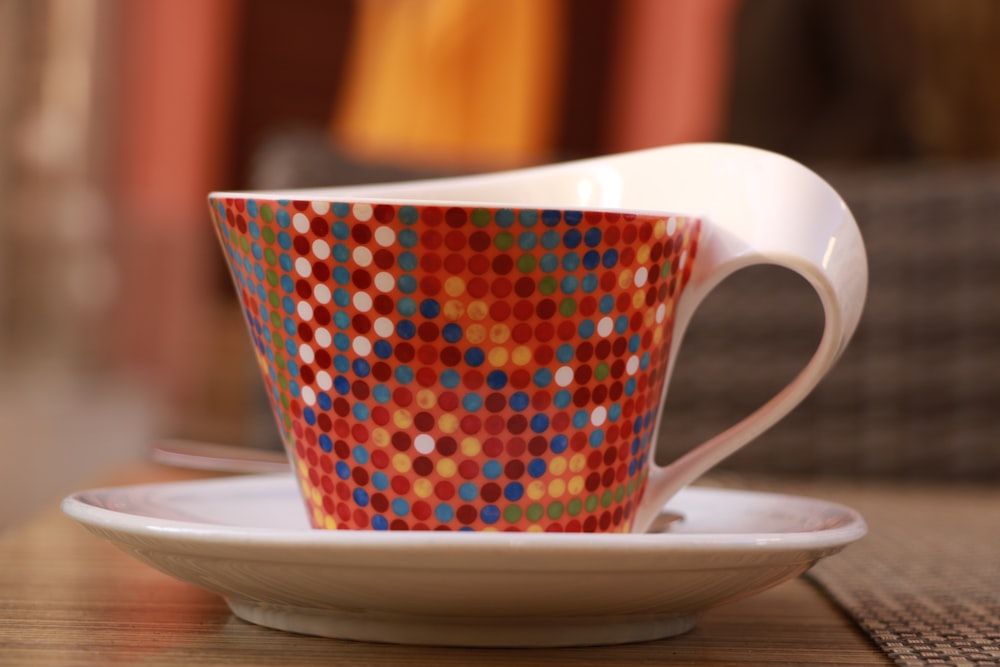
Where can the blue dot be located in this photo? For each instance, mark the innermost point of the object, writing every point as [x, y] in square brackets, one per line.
[593, 237]
[513, 491]
[586, 329]
[343, 470]
[496, 379]
[360, 411]
[341, 297]
[572, 238]
[293, 368]
[400, 507]
[580, 419]
[606, 304]
[340, 230]
[634, 342]
[287, 284]
[492, 469]
[468, 491]
[472, 402]
[325, 443]
[360, 454]
[591, 260]
[285, 243]
[360, 497]
[404, 374]
[559, 443]
[342, 320]
[379, 522]
[382, 349]
[539, 423]
[562, 399]
[361, 368]
[614, 412]
[573, 217]
[381, 393]
[475, 356]
[451, 332]
[284, 220]
[341, 276]
[324, 401]
[537, 468]
[380, 480]
[444, 513]
[551, 218]
[341, 210]
[406, 329]
[288, 305]
[430, 308]
[450, 378]
[542, 377]
[341, 363]
[596, 438]
[490, 514]
[565, 353]
[610, 258]
[621, 324]
[252, 208]
[519, 401]
[290, 347]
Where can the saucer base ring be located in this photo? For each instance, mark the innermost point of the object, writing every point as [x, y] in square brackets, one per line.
[523, 631]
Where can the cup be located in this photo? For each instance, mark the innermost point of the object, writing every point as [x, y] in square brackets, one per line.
[491, 352]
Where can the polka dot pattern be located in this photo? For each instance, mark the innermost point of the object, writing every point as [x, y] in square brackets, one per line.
[461, 368]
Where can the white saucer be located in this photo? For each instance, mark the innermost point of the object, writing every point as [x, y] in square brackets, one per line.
[247, 538]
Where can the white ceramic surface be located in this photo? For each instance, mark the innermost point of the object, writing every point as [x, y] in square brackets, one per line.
[758, 207]
[247, 538]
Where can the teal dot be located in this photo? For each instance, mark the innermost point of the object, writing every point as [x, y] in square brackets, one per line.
[408, 215]
[527, 240]
[504, 217]
[528, 218]
[341, 210]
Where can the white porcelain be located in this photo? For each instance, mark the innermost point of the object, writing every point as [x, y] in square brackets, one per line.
[248, 539]
[760, 208]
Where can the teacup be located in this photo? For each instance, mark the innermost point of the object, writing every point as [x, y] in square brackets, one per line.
[492, 352]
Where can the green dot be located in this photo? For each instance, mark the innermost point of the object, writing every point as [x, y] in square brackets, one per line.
[567, 307]
[272, 278]
[266, 214]
[244, 244]
[480, 217]
[275, 301]
[512, 513]
[535, 512]
[270, 257]
[285, 403]
[275, 320]
[526, 263]
[665, 271]
[619, 493]
[606, 498]
[555, 510]
[267, 234]
[602, 370]
[592, 502]
[279, 341]
[574, 506]
[547, 285]
[504, 241]
[279, 363]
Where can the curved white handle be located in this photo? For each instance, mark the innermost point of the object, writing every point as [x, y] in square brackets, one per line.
[766, 209]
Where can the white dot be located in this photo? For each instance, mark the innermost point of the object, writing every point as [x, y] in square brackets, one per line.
[385, 236]
[308, 396]
[671, 225]
[300, 222]
[362, 256]
[605, 327]
[303, 267]
[304, 310]
[324, 381]
[423, 443]
[306, 354]
[362, 211]
[362, 301]
[599, 415]
[384, 327]
[683, 260]
[321, 249]
[384, 281]
[661, 312]
[361, 346]
[632, 365]
[321, 293]
[641, 275]
[321, 207]
[322, 337]
[564, 376]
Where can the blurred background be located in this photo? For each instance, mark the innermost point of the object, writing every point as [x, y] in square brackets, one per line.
[118, 325]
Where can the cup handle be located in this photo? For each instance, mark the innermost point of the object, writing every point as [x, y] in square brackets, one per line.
[761, 208]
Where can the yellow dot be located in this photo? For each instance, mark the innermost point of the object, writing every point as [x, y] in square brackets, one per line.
[478, 310]
[490, 529]
[475, 333]
[317, 515]
[535, 490]
[453, 310]
[317, 496]
[521, 355]
[577, 463]
[638, 299]
[648, 318]
[447, 468]
[625, 278]
[402, 418]
[423, 487]
[448, 422]
[534, 528]
[499, 333]
[401, 463]
[660, 228]
[498, 356]
[557, 466]
[557, 487]
[575, 485]
[642, 254]
[329, 522]
[426, 398]
[658, 335]
[471, 446]
[454, 286]
[380, 437]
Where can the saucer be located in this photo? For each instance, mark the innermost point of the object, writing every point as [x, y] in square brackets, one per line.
[248, 539]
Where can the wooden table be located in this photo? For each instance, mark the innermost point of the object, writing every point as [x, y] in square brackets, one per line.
[69, 598]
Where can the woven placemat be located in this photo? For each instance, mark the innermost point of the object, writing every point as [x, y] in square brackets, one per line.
[925, 582]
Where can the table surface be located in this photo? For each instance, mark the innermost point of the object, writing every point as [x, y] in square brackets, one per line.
[69, 598]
